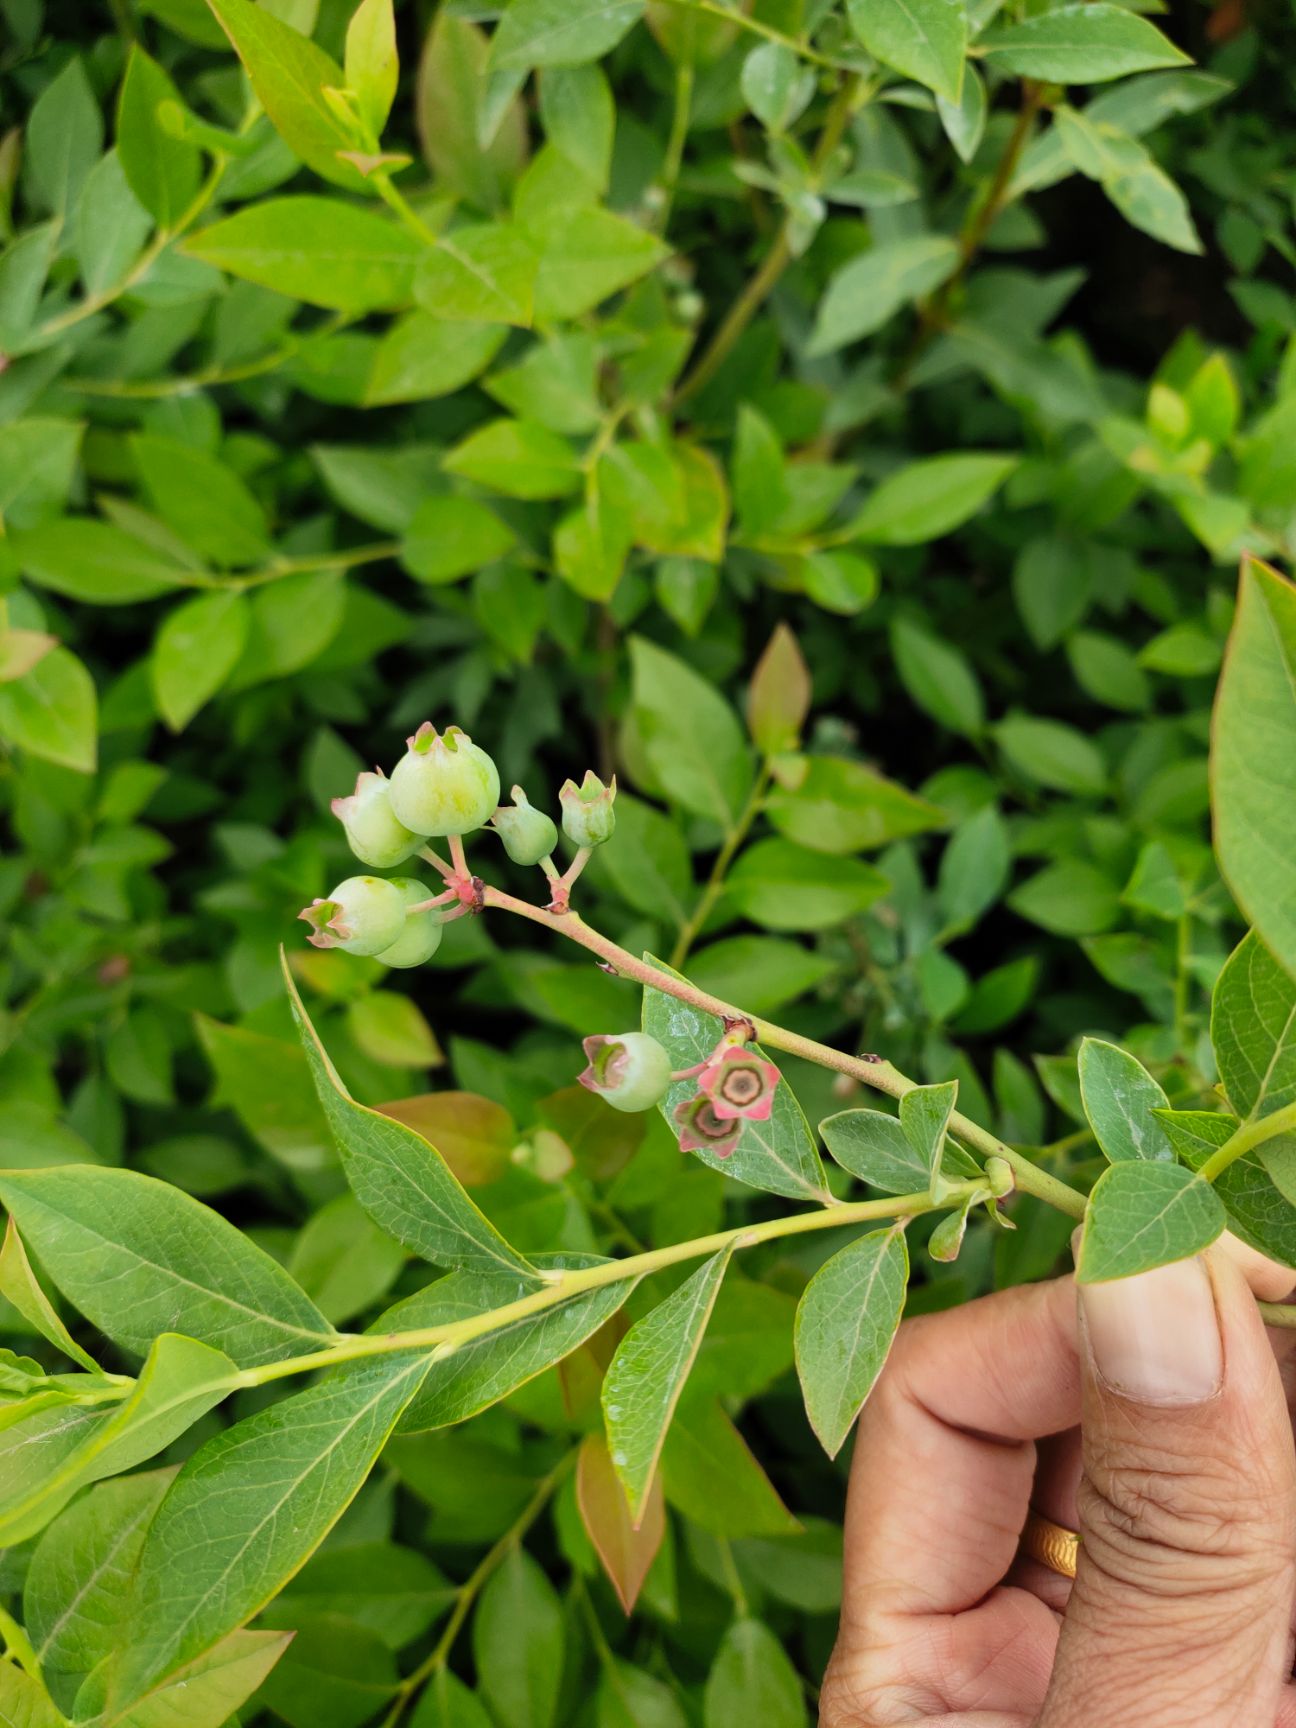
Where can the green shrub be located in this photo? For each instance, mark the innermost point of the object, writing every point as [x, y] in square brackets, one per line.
[842, 423]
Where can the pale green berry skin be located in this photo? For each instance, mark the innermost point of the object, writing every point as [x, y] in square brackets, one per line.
[641, 1073]
[421, 937]
[528, 834]
[451, 787]
[373, 910]
[372, 831]
[588, 816]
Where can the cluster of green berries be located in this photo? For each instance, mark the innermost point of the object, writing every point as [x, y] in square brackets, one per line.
[444, 787]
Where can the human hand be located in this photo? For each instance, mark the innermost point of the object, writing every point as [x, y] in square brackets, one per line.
[1171, 1452]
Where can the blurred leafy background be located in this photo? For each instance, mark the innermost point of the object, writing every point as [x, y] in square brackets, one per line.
[857, 472]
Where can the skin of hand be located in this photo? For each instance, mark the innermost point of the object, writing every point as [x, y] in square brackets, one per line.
[1150, 1413]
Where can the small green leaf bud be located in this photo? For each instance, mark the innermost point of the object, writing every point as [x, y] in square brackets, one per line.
[588, 818]
[375, 836]
[421, 936]
[363, 915]
[444, 784]
[630, 1071]
[528, 834]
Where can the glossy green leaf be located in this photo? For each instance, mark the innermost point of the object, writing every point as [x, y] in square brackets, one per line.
[924, 1117]
[95, 562]
[163, 171]
[711, 1475]
[1120, 1098]
[692, 738]
[24, 1702]
[20, 1286]
[197, 648]
[480, 273]
[585, 256]
[1253, 760]
[835, 804]
[289, 74]
[1142, 1215]
[1084, 44]
[646, 1377]
[1259, 1212]
[752, 1678]
[875, 1147]
[517, 458]
[924, 39]
[1253, 1030]
[321, 250]
[783, 886]
[250, 1507]
[845, 1323]
[139, 1258]
[560, 32]
[450, 537]
[930, 498]
[518, 1644]
[872, 288]
[402, 1182]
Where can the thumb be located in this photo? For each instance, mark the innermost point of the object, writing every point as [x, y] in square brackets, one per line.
[1182, 1605]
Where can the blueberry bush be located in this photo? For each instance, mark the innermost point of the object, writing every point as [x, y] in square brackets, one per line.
[767, 484]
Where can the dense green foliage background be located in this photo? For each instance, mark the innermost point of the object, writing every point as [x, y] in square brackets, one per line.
[980, 400]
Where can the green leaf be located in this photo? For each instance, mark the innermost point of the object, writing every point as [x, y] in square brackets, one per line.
[24, 1702]
[207, 1692]
[1070, 898]
[163, 171]
[783, 886]
[517, 458]
[1142, 1215]
[111, 227]
[839, 805]
[482, 273]
[267, 1082]
[484, 1370]
[924, 1116]
[1259, 1212]
[518, 1643]
[690, 735]
[389, 1590]
[964, 121]
[1136, 184]
[874, 1147]
[80, 1575]
[1109, 671]
[1052, 754]
[587, 255]
[451, 537]
[646, 1376]
[64, 138]
[38, 458]
[321, 250]
[289, 74]
[52, 711]
[711, 1476]
[475, 147]
[250, 1507]
[447, 1703]
[343, 1262]
[938, 677]
[402, 1182]
[371, 64]
[924, 39]
[181, 1381]
[139, 1258]
[1253, 760]
[1084, 44]
[872, 288]
[778, 1156]
[560, 32]
[974, 869]
[422, 357]
[752, 1680]
[1253, 1030]
[20, 1287]
[929, 498]
[96, 562]
[776, 86]
[197, 648]
[578, 111]
[205, 501]
[845, 1322]
[1120, 1098]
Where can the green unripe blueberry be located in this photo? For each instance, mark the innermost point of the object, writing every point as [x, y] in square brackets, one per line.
[588, 818]
[630, 1070]
[374, 834]
[444, 784]
[363, 915]
[528, 834]
[421, 936]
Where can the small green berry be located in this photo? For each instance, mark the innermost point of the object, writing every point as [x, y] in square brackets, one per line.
[421, 936]
[630, 1071]
[375, 836]
[444, 784]
[588, 818]
[363, 915]
[528, 834]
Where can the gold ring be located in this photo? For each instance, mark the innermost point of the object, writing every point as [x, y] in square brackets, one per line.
[1053, 1545]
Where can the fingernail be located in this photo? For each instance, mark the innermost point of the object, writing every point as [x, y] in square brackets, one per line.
[1155, 1338]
